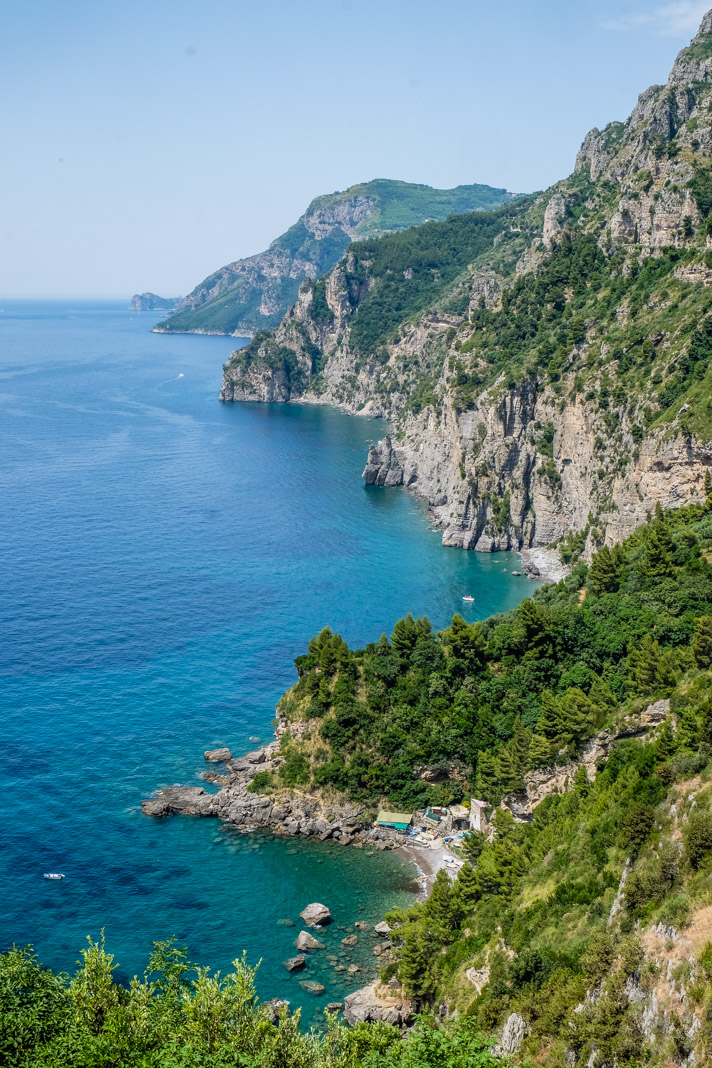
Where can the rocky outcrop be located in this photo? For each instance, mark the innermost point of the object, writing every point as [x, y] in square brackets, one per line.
[559, 778]
[306, 941]
[375, 1003]
[141, 302]
[295, 964]
[513, 1034]
[216, 756]
[382, 466]
[282, 811]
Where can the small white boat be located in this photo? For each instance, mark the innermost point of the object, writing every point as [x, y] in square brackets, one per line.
[468, 597]
[54, 875]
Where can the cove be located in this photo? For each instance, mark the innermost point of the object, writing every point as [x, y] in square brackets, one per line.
[163, 559]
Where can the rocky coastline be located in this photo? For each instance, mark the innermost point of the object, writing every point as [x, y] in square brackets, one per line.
[286, 812]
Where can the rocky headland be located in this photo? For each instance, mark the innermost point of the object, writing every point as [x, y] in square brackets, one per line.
[252, 294]
[286, 812]
[546, 383]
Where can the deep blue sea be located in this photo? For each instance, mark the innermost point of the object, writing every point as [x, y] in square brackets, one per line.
[163, 558]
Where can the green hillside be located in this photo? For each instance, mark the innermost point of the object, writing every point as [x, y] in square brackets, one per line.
[253, 294]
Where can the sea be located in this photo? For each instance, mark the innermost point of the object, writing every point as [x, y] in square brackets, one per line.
[163, 559]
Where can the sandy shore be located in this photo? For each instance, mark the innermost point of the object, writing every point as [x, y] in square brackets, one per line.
[428, 861]
[548, 562]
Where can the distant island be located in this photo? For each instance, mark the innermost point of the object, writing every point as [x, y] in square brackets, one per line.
[152, 302]
[253, 294]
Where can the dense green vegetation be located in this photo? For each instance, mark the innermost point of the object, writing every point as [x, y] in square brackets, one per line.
[411, 269]
[392, 206]
[181, 1016]
[486, 703]
[483, 704]
[403, 204]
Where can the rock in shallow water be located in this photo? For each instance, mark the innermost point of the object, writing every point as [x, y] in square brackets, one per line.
[312, 987]
[316, 915]
[306, 941]
[295, 963]
[216, 755]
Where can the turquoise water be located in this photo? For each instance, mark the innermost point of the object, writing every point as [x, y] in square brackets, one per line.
[163, 558]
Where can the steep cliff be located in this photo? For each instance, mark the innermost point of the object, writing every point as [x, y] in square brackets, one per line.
[546, 366]
[254, 293]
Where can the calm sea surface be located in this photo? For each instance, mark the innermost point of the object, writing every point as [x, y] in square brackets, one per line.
[163, 558]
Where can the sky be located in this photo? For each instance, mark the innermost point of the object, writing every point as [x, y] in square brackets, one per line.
[145, 144]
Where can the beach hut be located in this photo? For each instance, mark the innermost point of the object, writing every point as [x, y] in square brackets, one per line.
[399, 820]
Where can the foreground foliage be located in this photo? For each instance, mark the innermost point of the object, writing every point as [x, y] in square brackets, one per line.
[179, 1016]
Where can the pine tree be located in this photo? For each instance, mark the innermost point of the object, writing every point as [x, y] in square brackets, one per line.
[604, 572]
[708, 487]
[406, 633]
[466, 647]
[702, 640]
[508, 774]
[658, 551]
[466, 890]
[519, 745]
[473, 844]
[550, 721]
[441, 906]
[578, 716]
[486, 780]
[602, 697]
[643, 664]
[413, 964]
[539, 751]
[665, 744]
[532, 630]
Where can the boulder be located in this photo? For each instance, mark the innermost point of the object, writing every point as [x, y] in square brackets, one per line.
[188, 800]
[335, 1006]
[306, 941]
[382, 929]
[366, 1005]
[350, 940]
[316, 915]
[311, 987]
[294, 963]
[275, 1007]
[216, 755]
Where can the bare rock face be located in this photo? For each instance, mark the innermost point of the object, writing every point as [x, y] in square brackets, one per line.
[316, 915]
[382, 466]
[558, 778]
[513, 1034]
[366, 1005]
[217, 755]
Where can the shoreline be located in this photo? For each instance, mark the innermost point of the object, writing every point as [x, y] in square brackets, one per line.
[427, 862]
[547, 562]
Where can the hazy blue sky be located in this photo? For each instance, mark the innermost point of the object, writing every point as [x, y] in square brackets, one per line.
[146, 144]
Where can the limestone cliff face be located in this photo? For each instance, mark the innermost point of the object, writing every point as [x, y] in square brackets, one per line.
[529, 454]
